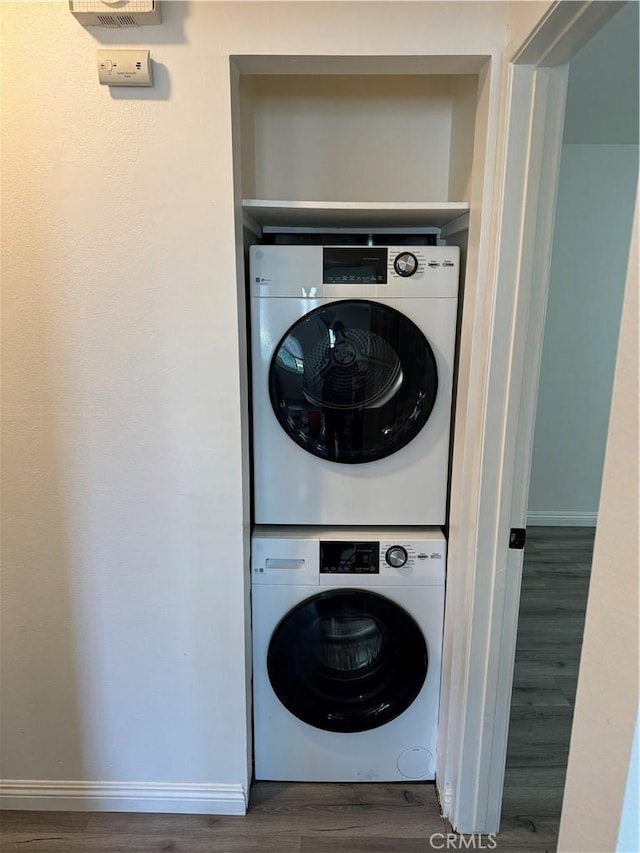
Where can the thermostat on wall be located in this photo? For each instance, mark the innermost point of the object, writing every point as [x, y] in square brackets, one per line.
[124, 67]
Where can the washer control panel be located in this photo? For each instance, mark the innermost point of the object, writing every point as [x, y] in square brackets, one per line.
[375, 558]
[396, 556]
[409, 558]
[349, 558]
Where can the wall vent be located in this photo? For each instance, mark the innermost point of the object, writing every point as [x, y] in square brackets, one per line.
[116, 13]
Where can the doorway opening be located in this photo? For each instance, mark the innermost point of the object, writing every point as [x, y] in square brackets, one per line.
[594, 214]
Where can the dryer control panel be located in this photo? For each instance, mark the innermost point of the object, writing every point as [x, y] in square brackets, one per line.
[354, 265]
[379, 264]
[361, 271]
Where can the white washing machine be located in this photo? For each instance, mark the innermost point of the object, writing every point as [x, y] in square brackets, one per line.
[352, 362]
[347, 643]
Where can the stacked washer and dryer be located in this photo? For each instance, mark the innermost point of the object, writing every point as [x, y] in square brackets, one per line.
[352, 380]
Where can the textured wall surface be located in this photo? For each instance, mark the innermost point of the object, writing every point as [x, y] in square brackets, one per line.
[123, 628]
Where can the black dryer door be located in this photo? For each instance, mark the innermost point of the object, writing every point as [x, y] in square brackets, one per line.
[347, 660]
[353, 381]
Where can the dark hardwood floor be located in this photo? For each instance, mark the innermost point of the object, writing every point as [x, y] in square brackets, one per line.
[387, 818]
[555, 585]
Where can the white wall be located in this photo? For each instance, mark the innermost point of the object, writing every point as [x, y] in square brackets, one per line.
[125, 519]
[596, 193]
[588, 265]
[523, 18]
[602, 99]
[607, 696]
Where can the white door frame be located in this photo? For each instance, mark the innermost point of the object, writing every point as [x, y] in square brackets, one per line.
[494, 426]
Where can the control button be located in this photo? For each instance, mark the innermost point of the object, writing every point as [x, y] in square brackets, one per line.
[405, 264]
[433, 264]
[397, 556]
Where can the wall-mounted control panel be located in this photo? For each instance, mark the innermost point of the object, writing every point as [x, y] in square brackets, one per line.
[124, 67]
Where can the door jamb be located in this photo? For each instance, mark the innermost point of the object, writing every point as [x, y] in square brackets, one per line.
[492, 444]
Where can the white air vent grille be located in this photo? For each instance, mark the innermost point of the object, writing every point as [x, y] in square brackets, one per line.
[107, 20]
[116, 13]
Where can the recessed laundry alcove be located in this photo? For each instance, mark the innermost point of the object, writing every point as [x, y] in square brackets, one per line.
[357, 138]
[362, 149]
[364, 132]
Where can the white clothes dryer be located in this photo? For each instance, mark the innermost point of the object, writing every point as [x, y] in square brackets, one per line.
[352, 379]
[347, 644]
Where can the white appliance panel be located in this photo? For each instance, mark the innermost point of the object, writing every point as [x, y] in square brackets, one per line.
[287, 748]
[291, 486]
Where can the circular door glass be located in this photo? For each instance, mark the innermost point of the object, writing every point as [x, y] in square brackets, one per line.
[353, 381]
[347, 661]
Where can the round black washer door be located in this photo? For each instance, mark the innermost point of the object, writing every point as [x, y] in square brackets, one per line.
[353, 381]
[347, 660]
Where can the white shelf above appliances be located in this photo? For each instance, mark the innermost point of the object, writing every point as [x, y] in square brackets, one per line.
[267, 215]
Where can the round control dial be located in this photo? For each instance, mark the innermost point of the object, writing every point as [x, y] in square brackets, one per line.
[396, 556]
[405, 264]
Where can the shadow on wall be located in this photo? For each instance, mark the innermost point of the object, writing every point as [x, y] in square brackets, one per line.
[104, 630]
[40, 580]
[160, 91]
[170, 31]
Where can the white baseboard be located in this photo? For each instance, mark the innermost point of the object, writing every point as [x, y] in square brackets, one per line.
[562, 519]
[168, 797]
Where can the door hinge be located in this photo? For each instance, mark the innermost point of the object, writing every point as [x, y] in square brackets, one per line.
[517, 538]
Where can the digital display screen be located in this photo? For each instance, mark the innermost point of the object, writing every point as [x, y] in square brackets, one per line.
[346, 558]
[354, 265]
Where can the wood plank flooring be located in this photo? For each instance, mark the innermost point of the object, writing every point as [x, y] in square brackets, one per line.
[387, 818]
[283, 818]
[555, 584]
